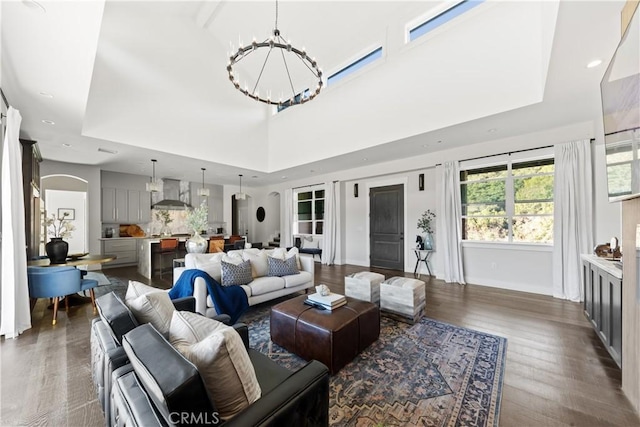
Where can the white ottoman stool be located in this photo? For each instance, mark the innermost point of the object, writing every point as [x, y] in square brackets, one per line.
[364, 286]
[403, 298]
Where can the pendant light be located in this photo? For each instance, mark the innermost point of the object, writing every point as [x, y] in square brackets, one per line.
[154, 186]
[240, 195]
[203, 192]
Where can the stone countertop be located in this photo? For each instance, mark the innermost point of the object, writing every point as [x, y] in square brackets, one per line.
[608, 266]
[156, 239]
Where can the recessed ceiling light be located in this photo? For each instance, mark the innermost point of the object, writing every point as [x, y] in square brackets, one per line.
[311, 171]
[49, 122]
[283, 177]
[492, 130]
[594, 63]
[425, 146]
[66, 145]
[254, 176]
[46, 95]
[439, 142]
[364, 159]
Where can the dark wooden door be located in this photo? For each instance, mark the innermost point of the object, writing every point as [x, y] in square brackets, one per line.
[386, 238]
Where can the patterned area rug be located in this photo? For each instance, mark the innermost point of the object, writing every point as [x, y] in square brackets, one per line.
[427, 374]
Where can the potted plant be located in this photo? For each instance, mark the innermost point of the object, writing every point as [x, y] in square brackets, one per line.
[164, 217]
[58, 228]
[425, 223]
[197, 221]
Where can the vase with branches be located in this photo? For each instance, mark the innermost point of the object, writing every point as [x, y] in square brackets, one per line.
[425, 223]
[58, 228]
[164, 217]
[197, 220]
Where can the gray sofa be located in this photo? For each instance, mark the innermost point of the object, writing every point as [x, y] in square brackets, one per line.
[262, 288]
[142, 391]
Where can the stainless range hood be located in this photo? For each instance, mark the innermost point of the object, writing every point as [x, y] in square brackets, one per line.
[175, 195]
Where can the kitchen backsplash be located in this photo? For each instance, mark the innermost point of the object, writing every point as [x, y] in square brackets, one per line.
[177, 225]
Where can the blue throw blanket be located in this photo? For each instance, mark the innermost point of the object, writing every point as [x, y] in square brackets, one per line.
[231, 300]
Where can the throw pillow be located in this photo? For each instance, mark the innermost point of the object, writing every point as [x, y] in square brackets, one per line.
[136, 289]
[221, 358]
[259, 264]
[282, 253]
[153, 307]
[236, 274]
[210, 264]
[310, 244]
[279, 268]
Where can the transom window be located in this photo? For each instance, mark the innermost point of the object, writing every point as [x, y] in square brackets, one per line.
[512, 202]
[442, 18]
[309, 211]
[355, 66]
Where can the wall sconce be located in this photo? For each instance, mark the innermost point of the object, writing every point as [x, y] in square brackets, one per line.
[421, 182]
[355, 190]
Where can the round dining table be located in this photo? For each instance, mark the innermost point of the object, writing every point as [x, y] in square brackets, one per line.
[85, 260]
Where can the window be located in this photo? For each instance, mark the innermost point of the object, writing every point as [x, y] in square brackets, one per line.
[442, 18]
[512, 202]
[302, 95]
[355, 66]
[309, 212]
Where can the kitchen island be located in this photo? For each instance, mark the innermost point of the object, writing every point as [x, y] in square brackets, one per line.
[147, 246]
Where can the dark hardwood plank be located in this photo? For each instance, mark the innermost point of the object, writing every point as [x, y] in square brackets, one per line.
[557, 371]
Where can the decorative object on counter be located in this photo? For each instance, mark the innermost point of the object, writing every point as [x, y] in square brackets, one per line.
[424, 223]
[162, 215]
[108, 232]
[155, 186]
[608, 250]
[58, 228]
[131, 230]
[197, 221]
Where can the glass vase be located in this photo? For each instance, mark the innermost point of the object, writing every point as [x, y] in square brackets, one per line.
[428, 241]
[196, 244]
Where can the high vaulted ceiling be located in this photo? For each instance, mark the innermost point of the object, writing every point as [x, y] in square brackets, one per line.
[148, 79]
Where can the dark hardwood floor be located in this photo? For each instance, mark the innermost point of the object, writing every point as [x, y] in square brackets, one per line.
[557, 371]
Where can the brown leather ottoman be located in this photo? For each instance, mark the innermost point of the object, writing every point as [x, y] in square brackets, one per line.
[331, 337]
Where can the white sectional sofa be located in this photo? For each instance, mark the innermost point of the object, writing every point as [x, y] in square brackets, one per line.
[262, 288]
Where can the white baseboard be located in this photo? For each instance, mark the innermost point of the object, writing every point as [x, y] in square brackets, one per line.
[522, 287]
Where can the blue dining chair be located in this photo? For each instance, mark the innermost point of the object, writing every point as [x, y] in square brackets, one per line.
[56, 282]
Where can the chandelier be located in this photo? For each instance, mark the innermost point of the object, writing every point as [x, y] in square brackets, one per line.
[155, 186]
[275, 84]
[240, 195]
[203, 192]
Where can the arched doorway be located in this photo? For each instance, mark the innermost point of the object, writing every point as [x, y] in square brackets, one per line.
[66, 193]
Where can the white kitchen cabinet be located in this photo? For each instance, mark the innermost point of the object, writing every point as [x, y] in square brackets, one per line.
[114, 205]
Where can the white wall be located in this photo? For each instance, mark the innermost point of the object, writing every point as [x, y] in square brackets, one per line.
[76, 200]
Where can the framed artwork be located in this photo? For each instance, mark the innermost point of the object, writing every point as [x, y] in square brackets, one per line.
[69, 212]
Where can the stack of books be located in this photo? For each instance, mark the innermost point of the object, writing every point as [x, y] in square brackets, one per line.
[327, 302]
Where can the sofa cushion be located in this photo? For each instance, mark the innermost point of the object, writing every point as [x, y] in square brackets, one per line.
[259, 264]
[279, 268]
[263, 285]
[309, 243]
[155, 308]
[210, 263]
[233, 274]
[115, 314]
[297, 279]
[136, 289]
[282, 253]
[221, 358]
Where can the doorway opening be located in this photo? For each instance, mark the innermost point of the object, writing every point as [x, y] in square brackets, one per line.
[386, 228]
[65, 194]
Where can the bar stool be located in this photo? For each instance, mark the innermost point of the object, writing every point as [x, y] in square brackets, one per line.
[216, 245]
[167, 247]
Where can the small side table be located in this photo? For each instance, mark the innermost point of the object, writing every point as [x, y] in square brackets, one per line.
[422, 255]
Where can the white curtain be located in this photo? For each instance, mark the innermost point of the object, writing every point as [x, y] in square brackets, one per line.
[449, 221]
[572, 217]
[330, 232]
[15, 317]
[287, 229]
